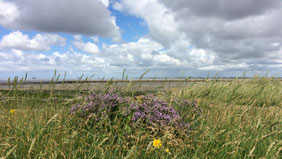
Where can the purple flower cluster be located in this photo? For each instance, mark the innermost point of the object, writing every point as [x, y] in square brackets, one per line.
[156, 112]
[147, 109]
[97, 106]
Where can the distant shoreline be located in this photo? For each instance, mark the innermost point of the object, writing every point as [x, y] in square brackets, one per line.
[60, 81]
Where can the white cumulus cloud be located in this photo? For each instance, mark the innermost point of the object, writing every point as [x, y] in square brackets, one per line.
[88, 47]
[88, 17]
[214, 34]
[40, 42]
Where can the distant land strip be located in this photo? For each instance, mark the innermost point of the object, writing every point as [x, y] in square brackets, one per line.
[120, 81]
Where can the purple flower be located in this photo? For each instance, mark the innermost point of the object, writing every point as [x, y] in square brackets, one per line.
[98, 105]
[150, 110]
[156, 112]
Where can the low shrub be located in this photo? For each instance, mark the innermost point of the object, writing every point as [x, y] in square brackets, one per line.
[141, 111]
[155, 112]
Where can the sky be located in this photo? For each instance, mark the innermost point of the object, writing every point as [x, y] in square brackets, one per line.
[170, 38]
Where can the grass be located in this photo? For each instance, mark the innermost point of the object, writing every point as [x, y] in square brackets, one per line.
[240, 119]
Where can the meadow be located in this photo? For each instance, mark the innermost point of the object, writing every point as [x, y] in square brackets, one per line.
[239, 118]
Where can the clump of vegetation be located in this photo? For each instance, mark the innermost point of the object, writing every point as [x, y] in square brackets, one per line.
[156, 112]
[146, 110]
[98, 106]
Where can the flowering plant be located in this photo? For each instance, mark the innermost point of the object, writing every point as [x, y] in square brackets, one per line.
[147, 110]
[97, 106]
[156, 112]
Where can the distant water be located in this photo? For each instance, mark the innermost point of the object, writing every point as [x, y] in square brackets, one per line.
[145, 78]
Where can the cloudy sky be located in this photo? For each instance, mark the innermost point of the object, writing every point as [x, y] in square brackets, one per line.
[171, 38]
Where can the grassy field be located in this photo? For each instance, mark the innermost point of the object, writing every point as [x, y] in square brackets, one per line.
[241, 118]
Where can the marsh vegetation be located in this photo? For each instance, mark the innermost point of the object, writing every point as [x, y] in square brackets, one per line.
[241, 118]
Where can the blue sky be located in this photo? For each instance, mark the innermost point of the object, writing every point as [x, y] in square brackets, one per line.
[170, 38]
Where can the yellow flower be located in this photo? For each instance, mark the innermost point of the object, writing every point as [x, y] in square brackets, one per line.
[167, 150]
[12, 111]
[157, 143]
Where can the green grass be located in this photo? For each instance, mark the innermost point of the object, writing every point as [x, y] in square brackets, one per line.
[259, 92]
[241, 119]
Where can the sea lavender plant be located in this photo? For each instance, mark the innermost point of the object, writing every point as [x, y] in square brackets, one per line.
[97, 106]
[147, 110]
[156, 112]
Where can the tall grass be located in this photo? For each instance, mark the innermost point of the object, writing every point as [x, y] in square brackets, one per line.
[260, 92]
[240, 119]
